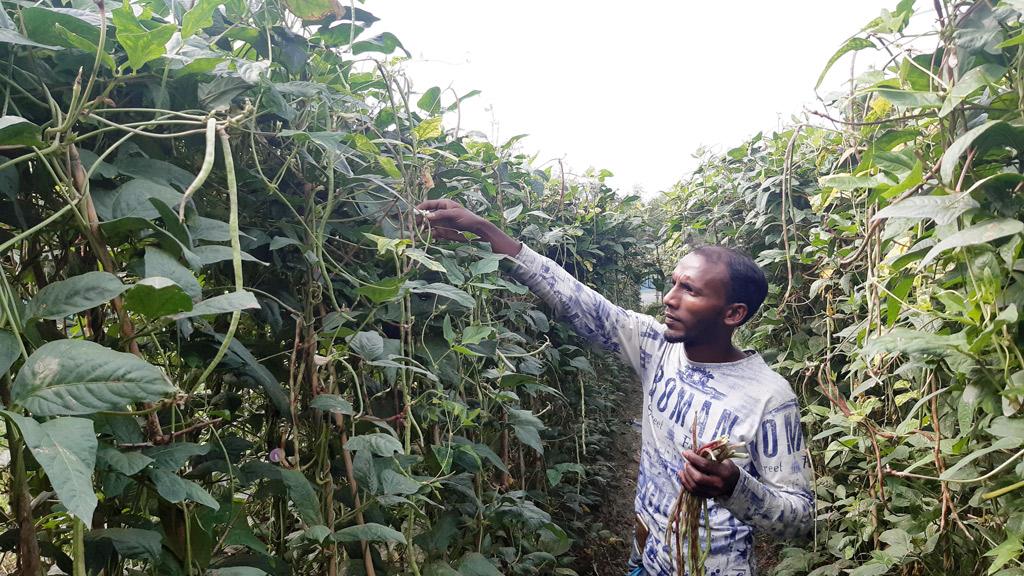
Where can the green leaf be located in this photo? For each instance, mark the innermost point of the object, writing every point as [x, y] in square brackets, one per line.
[241, 535]
[430, 102]
[141, 45]
[385, 43]
[127, 463]
[218, 93]
[1001, 444]
[914, 342]
[156, 296]
[439, 568]
[202, 228]
[174, 489]
[9, 351]
[512, 213]
[392, 482]
[134, 543]
[429, 128]
[475, 334]
[131, 199]
[41, 25]
[422, 257]
[173, 456]
[237, 571]
[76, 294]
[909, 98]
[338, 33]
[382, 291]
[1004, 427]
[475, 564]
[80, 377]
[162, 264]
[369, 532]
[851, 45]
[975, 78]
[982, 233]
[982, 138]
[848, 182]
[11, 37]
[447, 330]
[16, 131]
[223, 304]
[445, 290]
[278, 242]
[317, 533]
[199, 17]
[368, 345]
[213, 253]
[311, 9]
[332, 403]
[378, 443]
[157, 171]
[84, 44]
[943, 210]
[871, 568]
[301, 493]
[258, 372]
[389, 166]
[1009, 549]
[582, 364]
[171, 223]
[66, 449]
[485, 265]
[527, 428]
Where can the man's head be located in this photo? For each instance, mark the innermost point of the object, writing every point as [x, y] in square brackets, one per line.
[714, 290]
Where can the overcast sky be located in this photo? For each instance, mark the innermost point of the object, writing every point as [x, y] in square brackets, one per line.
[634, 87]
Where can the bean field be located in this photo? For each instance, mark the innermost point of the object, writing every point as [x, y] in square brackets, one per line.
[230, 347]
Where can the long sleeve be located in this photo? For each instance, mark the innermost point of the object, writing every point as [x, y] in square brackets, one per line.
[773, 493]
[591, 315]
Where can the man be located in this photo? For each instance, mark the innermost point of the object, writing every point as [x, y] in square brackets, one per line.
[693, 376]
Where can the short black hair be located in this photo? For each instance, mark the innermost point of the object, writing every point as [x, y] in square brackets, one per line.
[747, 282]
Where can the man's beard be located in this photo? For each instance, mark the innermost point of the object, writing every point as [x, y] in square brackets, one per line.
[675, 338]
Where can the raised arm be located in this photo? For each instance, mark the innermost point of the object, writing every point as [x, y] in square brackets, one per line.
[593, 316]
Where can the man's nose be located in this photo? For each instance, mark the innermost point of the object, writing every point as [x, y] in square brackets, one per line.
[669, 299]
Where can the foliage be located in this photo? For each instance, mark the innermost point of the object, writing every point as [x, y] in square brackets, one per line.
[228, 347]
[892, 237]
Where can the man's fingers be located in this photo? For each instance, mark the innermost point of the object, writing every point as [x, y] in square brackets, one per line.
[446, 216]
[687, 483]
[697, 482]
[440, 204]
[698, 462]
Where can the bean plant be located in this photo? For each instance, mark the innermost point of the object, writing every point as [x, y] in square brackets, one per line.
[890, 226]
[227, 345]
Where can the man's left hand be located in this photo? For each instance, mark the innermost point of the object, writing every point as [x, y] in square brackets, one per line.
[706, 478]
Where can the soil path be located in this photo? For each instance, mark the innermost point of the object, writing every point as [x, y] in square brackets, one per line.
[607, 550]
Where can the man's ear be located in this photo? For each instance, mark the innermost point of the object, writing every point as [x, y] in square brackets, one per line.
[735, 314]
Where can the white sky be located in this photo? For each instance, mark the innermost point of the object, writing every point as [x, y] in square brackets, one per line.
[634, 87]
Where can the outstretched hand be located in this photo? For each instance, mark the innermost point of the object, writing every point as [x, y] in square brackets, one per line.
[448, 220]
[706, 478]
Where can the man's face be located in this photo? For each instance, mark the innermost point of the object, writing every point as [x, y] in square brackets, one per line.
[696, 305]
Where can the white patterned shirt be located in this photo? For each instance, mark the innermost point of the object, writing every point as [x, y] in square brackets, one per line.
[745, 400]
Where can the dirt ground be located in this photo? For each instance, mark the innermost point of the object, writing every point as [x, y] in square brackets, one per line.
[606, 552]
